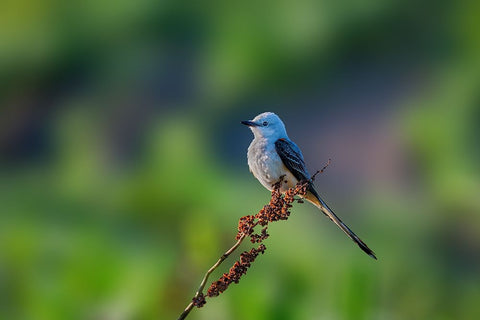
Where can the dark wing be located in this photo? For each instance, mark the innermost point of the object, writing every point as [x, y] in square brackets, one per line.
[292, 158]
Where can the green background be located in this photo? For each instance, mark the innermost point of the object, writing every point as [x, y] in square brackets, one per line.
[123, 161]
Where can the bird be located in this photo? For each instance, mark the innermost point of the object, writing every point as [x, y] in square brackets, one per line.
[273, 156]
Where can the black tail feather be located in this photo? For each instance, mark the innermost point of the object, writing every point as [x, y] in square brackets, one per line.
[329, 213]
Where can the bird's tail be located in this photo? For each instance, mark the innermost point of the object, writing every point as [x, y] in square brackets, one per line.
[313, 197]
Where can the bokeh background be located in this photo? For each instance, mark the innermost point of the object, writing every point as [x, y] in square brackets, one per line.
[123, 162]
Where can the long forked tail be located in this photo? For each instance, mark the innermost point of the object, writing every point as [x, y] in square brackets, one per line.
[315, 199]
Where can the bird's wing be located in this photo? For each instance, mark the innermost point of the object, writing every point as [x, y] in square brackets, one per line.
[292, 158]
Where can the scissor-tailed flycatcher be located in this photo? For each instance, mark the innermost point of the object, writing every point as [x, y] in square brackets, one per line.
[272, 155]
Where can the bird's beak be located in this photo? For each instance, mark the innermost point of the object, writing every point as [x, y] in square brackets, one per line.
[249, 123]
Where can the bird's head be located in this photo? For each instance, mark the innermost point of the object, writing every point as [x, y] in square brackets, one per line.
[267, 125]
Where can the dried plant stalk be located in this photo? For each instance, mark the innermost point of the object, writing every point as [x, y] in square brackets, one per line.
[199, 298]
[277, 209]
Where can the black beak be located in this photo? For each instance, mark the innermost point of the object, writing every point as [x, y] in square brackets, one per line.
[249, 123]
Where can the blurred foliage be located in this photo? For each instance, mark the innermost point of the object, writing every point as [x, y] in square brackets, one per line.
[123, 173]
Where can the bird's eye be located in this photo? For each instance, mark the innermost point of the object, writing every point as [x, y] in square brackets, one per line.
[265, 123]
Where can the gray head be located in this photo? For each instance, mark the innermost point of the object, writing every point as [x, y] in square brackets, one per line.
[267, 125]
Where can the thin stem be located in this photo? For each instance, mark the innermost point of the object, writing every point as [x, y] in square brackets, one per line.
[321, 171]
[186, 311]
[222, 258]
[205, 277]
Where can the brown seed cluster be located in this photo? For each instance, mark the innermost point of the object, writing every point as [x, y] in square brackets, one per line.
[257, 238]
[279, 206]
[277, 209]
[238, 269]
[199, 301]
[245, 226]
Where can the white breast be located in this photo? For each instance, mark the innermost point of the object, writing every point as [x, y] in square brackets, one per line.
[267, 166]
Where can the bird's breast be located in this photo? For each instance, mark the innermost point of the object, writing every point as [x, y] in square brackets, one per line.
[267, 166]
